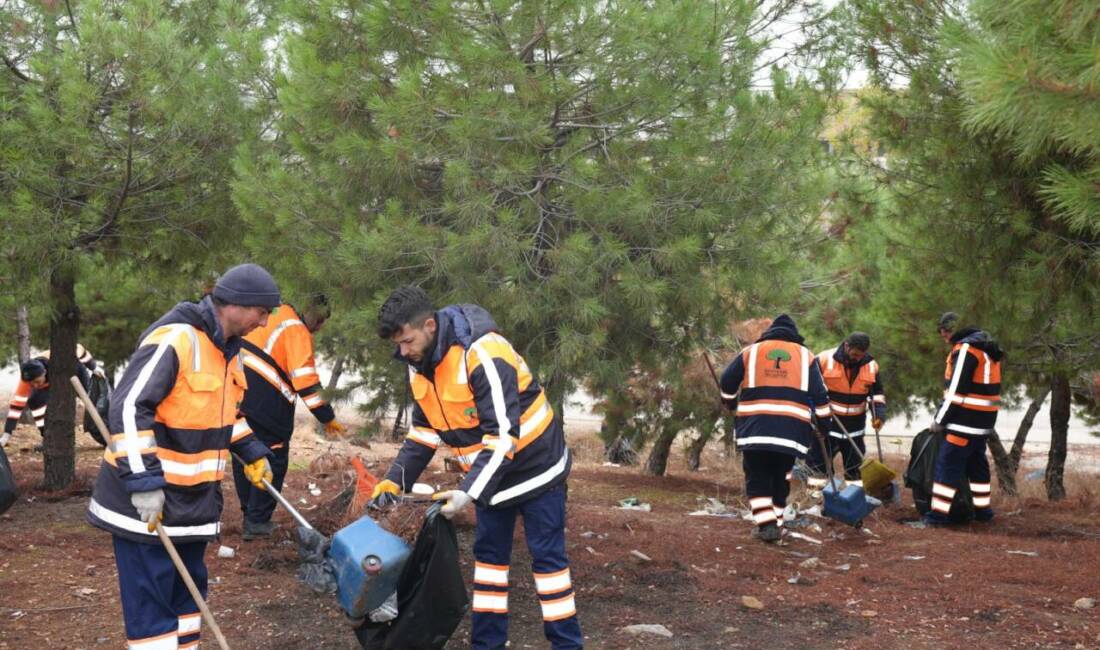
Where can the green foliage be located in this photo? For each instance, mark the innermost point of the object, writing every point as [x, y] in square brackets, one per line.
[118, 122]
[601, 176]
[958, 217]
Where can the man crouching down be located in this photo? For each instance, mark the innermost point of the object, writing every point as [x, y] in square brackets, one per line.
[475, 394]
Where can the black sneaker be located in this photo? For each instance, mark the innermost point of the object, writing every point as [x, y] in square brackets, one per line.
[256, 530]
[768, 533]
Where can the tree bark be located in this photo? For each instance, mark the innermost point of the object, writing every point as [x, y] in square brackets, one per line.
[337, 371]
[1059, 432]
[1008, 462]
[657, 463]
[23, 332]
[59, 441]
[695, 450]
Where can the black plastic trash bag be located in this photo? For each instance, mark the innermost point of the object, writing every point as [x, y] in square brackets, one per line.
[99, 391]
[920, 475]
[8, 492]
[315, 570]
[431, 594]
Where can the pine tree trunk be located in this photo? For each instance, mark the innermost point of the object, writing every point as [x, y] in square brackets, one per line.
[337, 371]
[1059, 432]
[729, 439]
[695, 451]
[657, 463]
[1008, 462]
[59, 440]
[23, 332]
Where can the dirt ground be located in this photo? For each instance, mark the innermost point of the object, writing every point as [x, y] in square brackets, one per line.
[1009, 584]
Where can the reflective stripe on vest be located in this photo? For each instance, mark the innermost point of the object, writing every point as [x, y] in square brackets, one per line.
[987, 373]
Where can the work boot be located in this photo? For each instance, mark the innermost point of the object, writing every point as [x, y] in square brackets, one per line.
[983, 515]
[256, 530]
[768, 533]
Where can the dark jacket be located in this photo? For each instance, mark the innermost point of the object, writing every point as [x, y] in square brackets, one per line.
[972, 384]
[776, 387]
[475, 395]
[174, 417]
[851, 385]
[27, 397]
[279, 365]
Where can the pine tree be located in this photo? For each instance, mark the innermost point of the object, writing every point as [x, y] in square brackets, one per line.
[958, 220]
[1030, 74]
[601, 176]
[118, 121]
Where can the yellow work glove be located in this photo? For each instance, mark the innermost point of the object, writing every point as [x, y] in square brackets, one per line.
[257, 471]
[876, 423]
[385, 494]
[334, 429]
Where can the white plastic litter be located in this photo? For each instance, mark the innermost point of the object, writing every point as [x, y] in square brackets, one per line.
[387, 611]
[226, 551]
[422, 489]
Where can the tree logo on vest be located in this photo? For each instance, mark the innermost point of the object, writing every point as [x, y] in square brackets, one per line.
[470, 411]
[779, 356]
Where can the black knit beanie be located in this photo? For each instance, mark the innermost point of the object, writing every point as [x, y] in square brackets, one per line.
[248, 285]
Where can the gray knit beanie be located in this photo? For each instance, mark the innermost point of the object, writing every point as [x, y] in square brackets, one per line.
[248, 285]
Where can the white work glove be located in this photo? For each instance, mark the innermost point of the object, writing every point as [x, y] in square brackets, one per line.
[455, 500]
[149, 505]
[4, 438]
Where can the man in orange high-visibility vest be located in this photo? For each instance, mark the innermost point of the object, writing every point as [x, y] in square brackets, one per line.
[174, 418]
[776, 389]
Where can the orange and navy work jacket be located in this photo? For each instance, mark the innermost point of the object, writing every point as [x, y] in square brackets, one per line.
[851, 389]
[477, 397]
[972, 387]
[776, 388]
[27, 397]
[279, 367]
[174, 417]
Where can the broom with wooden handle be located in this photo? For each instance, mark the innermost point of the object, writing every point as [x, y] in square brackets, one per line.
[164, 539]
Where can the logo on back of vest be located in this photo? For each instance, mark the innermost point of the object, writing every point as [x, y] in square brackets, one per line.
[470, 412]
[779, 356]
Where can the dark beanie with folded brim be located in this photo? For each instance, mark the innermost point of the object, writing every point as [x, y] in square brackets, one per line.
[248, 285]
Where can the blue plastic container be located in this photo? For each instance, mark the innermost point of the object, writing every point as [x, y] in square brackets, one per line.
[848, 504]
[368, 560]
